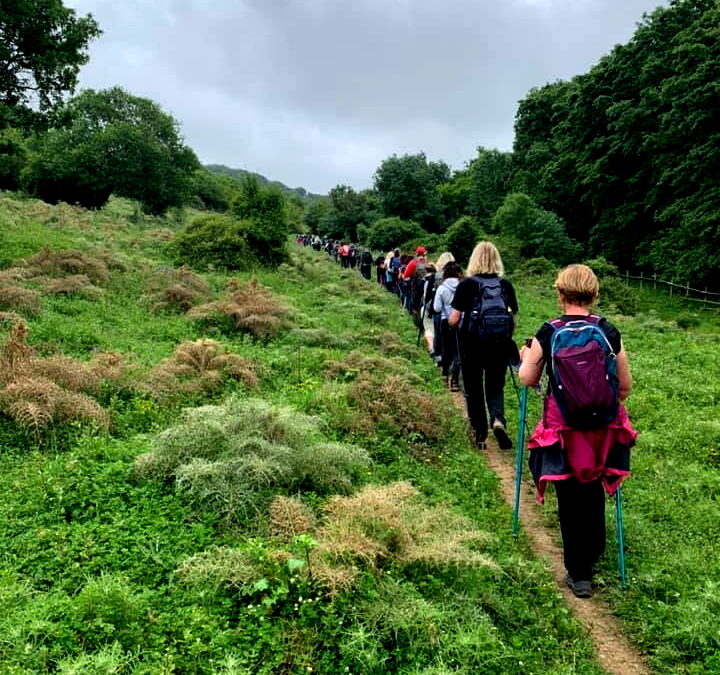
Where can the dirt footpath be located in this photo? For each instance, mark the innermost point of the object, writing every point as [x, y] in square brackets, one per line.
[615, 653]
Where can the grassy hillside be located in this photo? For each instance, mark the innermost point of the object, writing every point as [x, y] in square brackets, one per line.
[160, 545]
[148, 534]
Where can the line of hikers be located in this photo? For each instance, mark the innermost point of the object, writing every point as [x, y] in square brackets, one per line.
[582, 442]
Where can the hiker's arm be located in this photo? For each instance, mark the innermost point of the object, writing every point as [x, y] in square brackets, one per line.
[454, 319]
[532, 364]
[624, 376]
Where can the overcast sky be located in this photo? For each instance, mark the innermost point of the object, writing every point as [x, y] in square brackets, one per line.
[318, 92]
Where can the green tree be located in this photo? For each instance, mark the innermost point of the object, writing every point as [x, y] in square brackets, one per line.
[407, 187]
[264, 211]
[489, 175]
[43, 44]
[461, 237]
[13, 155]
[213, 192]
[112, 142]
[214, 240]
[388, 233]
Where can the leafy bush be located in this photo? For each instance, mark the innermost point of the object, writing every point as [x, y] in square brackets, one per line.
[234, 458]
[356, 363]
[198, 367]
[177, 289]
[388, 233]
[461, 237]
[248, 307]
[214, 241]
[687, 320]
[615, 295]
[537, 267]
[602, 267]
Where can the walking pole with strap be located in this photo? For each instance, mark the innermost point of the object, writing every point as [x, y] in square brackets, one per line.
[621, 538]
[519, 460]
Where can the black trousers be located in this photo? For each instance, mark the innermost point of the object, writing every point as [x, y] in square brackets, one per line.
[483, 371]
[581, 508]
[450, 355]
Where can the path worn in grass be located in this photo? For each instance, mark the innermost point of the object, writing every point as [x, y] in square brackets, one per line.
[616, 655]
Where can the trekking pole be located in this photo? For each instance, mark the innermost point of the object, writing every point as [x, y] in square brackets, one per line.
[621, 538]
[519, 460]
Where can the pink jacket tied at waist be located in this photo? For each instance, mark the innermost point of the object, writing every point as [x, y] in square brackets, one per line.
[586, 451]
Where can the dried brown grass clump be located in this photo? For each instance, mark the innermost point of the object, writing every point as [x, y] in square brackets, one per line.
[40, 392]
[390, 344]
[198, 367]
[250, 306]
[14, 297]
[289, 518]
[356, 363]
[52, 263]
[177, 289]
[383, 526]
[397, 403]
[75, 284]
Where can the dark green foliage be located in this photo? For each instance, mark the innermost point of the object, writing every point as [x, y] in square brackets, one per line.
[214, 240]
[238, 175]
[42, 48]
[408, 188]
[627, 154]
[112, 142]
[343, 213]
[461, 237]
[265, 211]
[13, 155]
[490, 175]
[687, 320]
[388, 233]
[537, 267]
[602, 267]
[540, 232]
[213, 192]
[615, 295]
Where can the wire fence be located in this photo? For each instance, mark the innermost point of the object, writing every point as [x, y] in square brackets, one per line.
[685, 290]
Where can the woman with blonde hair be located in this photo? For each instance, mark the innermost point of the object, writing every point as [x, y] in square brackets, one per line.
[488, 306]
[582, 443]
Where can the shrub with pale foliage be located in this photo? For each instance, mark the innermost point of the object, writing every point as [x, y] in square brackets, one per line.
[249, 306]
[234, 458]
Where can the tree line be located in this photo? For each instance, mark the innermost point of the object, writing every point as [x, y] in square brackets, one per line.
[620, 162]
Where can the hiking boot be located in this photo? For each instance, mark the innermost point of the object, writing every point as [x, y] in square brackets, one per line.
[500, 433]
[581, 589]
[480, 443]
[454, 386]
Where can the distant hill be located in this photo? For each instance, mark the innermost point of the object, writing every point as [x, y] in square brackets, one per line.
[239, 174]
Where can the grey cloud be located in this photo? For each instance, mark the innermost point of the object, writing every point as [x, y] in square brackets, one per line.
[317, 92]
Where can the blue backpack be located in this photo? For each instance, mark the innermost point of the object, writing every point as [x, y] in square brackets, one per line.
[490, 317]
[584, 367]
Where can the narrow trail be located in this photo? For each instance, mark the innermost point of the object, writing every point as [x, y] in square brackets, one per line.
[615, 653]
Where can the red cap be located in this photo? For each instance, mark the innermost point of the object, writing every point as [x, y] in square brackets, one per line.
[420, 250]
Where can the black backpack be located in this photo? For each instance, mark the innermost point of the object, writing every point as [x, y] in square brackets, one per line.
[490, 317]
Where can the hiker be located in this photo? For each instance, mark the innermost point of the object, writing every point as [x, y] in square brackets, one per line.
[344, 255]
[394, 264]
[582, 443]
[366, 263]
[423, 312]
[449, 357]
[488, 307]
[419, 259]
[444, 258]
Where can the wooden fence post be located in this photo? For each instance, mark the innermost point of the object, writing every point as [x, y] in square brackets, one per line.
[687, 289]
[655, 281]
[672, 281]
[641, 280]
